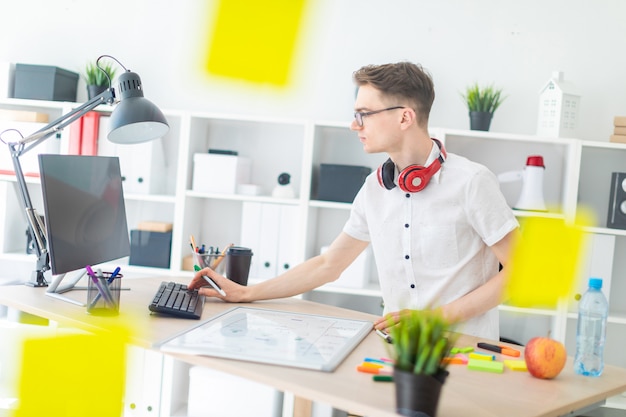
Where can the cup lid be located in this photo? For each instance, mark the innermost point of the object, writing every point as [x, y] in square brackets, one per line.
[239, 250]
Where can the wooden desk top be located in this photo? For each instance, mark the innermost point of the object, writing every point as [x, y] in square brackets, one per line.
[466, 392]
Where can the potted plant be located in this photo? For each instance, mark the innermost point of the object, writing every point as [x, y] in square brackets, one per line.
[96, 78]
[421, 341]
[482, 102]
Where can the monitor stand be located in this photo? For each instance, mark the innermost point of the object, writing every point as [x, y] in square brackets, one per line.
[55, 290]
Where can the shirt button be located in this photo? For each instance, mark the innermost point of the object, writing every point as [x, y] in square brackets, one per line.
[406, 225]
[412, 285]
[406, 256]
[408, 195]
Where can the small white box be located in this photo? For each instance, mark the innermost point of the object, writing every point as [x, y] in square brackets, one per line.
[216, 173]
[218, 394]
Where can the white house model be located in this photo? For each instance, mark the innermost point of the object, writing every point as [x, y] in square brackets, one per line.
[558, 108]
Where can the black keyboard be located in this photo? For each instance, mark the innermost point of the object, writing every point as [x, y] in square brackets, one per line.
[175, 299]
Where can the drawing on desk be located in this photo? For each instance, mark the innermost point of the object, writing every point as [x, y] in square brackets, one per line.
[274, 337]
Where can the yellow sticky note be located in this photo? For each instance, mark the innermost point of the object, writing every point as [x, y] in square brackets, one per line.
[72, 375]
[255, 40]
[545, 261]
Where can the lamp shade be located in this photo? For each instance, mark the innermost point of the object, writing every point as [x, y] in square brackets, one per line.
[135, 119]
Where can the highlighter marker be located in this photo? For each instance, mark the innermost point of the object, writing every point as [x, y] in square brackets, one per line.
[384, 335]
[499, 349]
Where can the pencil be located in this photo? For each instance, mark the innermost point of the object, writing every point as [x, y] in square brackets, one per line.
[221, 257]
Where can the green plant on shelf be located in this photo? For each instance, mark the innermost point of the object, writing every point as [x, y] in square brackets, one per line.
[95, 75]
[483, 99]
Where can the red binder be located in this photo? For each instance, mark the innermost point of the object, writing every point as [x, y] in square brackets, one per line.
[89, 140]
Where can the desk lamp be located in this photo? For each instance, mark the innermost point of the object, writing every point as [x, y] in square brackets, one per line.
[134, 120]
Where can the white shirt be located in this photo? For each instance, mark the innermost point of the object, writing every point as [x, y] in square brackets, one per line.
[432, 247]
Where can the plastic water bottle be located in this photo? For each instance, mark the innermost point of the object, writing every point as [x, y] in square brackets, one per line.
[593, 310]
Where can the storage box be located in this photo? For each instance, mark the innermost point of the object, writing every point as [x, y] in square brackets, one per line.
[216, 173]
[41, 82]
[341, 182]
[150, 248]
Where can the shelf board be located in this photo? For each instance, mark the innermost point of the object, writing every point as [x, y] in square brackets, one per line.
[614, 318]
[542, 214]
[60, 105]
[155, 198]
[241, 197]
[605, 231]
[525, 310]
[330, 204]
[371, 290]
[11, 178]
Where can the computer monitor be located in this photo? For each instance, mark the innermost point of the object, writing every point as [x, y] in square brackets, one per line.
[85, 215]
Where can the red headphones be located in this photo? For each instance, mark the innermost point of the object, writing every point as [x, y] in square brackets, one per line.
[413, 178]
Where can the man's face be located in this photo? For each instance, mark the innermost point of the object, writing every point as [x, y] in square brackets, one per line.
[379, 131]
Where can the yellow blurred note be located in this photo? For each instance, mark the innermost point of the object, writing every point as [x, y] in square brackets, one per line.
[545, 261]
[72, 375]
[255, 40]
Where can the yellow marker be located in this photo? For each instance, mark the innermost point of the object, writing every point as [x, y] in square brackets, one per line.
[255, 40]
[515, 365]
[482, 356]
[545, 261]
[372, 365]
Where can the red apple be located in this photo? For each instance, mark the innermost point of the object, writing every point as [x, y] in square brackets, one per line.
[545, 357]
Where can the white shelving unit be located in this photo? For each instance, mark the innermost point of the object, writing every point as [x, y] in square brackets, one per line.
[577, 175]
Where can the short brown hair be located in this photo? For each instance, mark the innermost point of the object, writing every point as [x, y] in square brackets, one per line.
[401, 81]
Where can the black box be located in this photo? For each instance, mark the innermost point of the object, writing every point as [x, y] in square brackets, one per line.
[341, 182]
[616, 218]
[150, 248]
[42, 82]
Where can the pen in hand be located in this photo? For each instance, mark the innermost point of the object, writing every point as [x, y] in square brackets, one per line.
[384, 335]
[211, 282]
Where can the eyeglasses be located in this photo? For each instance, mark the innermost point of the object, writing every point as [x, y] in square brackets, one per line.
[359, 115]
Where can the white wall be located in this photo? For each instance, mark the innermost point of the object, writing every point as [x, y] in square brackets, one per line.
[514, 44]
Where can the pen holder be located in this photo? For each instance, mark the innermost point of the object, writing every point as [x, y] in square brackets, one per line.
[103, 297]
[208, 260]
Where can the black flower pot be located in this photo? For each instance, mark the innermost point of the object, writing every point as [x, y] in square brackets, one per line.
[480, 120]
[418, 395]
[94, 90]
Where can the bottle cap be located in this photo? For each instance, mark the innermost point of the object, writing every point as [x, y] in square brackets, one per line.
[595, 283]
[535, 161]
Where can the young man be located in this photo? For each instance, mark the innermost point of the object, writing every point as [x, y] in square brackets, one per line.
[437, 222]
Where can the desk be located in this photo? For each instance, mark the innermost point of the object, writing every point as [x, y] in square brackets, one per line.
[466, 393]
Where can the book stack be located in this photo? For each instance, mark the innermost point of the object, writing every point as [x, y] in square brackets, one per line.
[619, 130]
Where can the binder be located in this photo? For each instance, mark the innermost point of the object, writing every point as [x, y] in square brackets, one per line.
[89, 140]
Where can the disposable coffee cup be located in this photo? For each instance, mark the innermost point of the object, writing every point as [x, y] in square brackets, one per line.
[103, 297]
[238, 264]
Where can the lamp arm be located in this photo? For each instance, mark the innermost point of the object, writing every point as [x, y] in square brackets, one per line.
[29, 142]
[18, 149]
